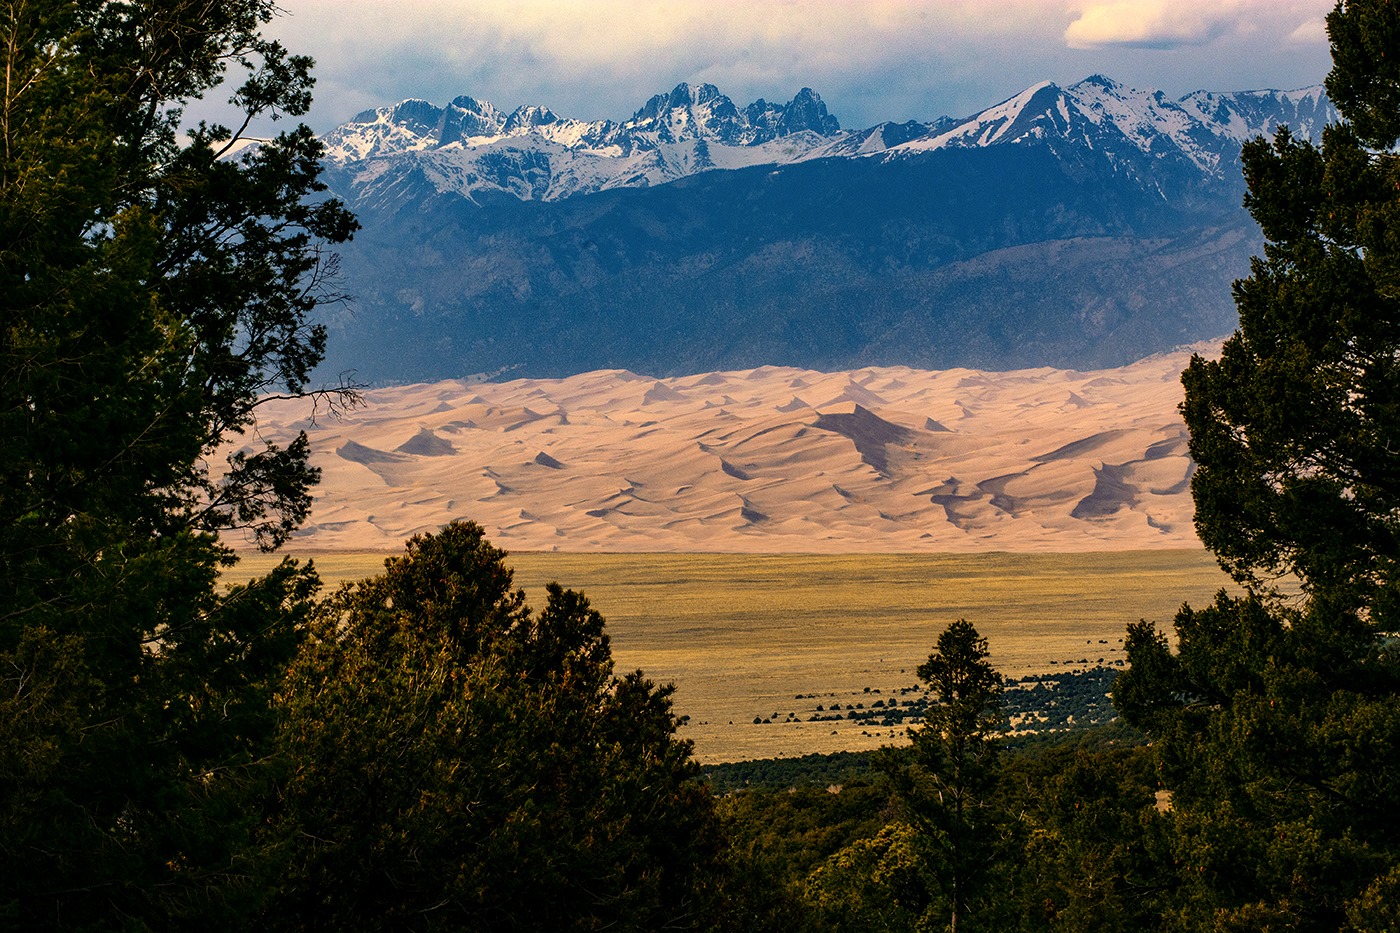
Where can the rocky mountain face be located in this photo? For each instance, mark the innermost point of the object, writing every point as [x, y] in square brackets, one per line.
[469, 147]
[1078, 227]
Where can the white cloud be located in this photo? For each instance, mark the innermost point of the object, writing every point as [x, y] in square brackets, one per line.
[1159, 24]
[1313, 32]
[871, 60]
[600, 58]
[1185, 24]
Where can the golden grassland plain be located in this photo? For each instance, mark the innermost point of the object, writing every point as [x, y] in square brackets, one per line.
[775, 636]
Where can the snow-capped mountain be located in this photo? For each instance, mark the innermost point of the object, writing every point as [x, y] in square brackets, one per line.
[1202, 129]
[1079, 227]
[469, 146]
[532, 153]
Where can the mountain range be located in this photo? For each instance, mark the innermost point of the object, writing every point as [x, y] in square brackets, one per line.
[1077, 227]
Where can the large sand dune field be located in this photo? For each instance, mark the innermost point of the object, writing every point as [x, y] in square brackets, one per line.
[770, 460]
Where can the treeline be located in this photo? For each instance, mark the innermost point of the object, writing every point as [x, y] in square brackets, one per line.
[1073, 840]
[1074, 824]
[421, 750]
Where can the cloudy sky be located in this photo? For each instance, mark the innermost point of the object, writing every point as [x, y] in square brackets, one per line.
[871, 60]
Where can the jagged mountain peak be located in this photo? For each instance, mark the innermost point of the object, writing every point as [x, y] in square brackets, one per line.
[1131, 127]
[472, 105]
[534, 153]
[688, 113]
[807, 111]
[1100, 80]
[1244, 114]
[703, 112]
[528, 116]
[683, 95]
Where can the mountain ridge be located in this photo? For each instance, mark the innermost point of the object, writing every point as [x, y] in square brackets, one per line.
[672, 135]
[1079, 227]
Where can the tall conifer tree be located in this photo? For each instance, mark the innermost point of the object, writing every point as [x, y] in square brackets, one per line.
[154, 287]
[947, 783]
[1278, 721]
[1295, 430]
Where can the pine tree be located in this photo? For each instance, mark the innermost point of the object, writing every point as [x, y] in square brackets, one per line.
[948, 784]
[1277, 722]
[154, 287]
[1295, 430]
[460, 762]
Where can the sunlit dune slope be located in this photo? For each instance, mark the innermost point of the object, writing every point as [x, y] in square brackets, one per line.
[766, 460]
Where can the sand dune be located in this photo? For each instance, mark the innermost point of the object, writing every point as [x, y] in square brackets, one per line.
[766, 460]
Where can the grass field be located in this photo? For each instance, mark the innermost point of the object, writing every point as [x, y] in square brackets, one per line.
[744, 636]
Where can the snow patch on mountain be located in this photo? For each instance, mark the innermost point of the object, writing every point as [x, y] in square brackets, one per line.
[1204, 128]
[532, 153]
[1245, 114]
